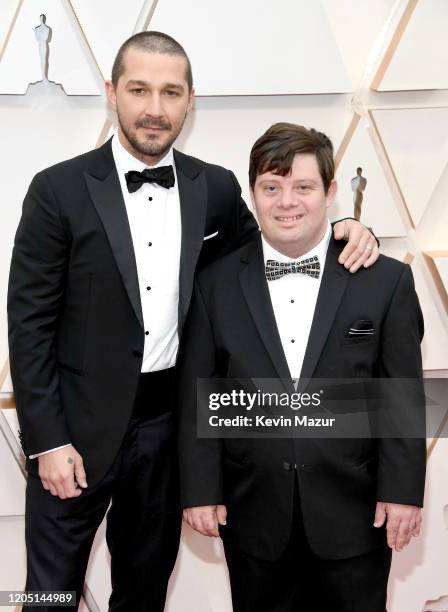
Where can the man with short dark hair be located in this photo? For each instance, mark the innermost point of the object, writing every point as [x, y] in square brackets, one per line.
[101, 279]
[151, 42]
[307, 522]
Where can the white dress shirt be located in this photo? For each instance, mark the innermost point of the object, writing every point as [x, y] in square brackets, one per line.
[293, 298]
[155, 222]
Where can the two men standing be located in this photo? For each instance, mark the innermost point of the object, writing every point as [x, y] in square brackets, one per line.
[101, 280]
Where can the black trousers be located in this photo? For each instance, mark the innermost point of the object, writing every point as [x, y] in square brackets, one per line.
[300, 581]
[143, 522]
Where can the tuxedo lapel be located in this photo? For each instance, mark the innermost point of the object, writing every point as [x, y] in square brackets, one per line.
[332, 288]
[105, 190]
[256, 293]
[193, 208]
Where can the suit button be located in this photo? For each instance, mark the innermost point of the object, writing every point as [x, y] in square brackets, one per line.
[137, 353]
[287, 466]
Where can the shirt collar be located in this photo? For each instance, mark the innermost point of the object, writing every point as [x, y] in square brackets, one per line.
[320, 249]
[124, 161]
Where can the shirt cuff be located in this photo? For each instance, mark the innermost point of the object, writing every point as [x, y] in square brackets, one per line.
[48, 451]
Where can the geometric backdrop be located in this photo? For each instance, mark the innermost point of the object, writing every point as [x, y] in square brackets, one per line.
[373, 75]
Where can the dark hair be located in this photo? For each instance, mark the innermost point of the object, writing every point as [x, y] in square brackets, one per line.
[152, 42]
[275, 151]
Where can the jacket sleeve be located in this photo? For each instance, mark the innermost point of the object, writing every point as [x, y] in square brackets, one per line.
[200, 458]
[353, 219]
[246, 223]
[35, 293]
[402, 461]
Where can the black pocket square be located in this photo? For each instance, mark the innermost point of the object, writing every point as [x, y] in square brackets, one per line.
[361, 327]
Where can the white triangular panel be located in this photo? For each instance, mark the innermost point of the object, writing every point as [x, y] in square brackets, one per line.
[421, 58]
[416, 141]
[12, 483]
[200, 568]
[7, 384]
[12, 538]
[441, 264]
[69, 63]
[435, 340]
[440, 259]
[357, 27]
[4, 273]
[223, 130]
[398, 248]
[107, 25]
[71, 129]
[254, 48]
[434, 236]
[107, 130]
[5, 258]
[418, 573]
[13, 422]
[379, 209]
[7, 12]
[98, 571]
[52, 128]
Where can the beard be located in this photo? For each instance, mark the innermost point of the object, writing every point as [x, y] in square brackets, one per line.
[149, 145]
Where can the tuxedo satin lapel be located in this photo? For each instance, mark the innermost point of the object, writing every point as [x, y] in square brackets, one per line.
[332, 288]
[256, 293]
[108, 201]
[193, 208]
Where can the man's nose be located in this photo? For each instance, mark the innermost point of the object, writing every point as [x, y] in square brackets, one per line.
[288, 199]
[154, 107]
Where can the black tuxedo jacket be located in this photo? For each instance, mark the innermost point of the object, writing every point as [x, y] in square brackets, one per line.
[231, 332]
[75, 319]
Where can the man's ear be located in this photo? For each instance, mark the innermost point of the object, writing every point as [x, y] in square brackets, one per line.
[331, 193]
[252, 198]
[191, 100]
[111, 94]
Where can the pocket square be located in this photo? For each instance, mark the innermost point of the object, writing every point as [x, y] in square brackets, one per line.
[361, 327]
[211, 235]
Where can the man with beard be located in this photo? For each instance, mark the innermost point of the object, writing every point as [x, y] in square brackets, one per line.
[101, 280]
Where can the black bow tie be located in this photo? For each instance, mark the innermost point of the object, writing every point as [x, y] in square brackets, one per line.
[277, 269]
[163, 176]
